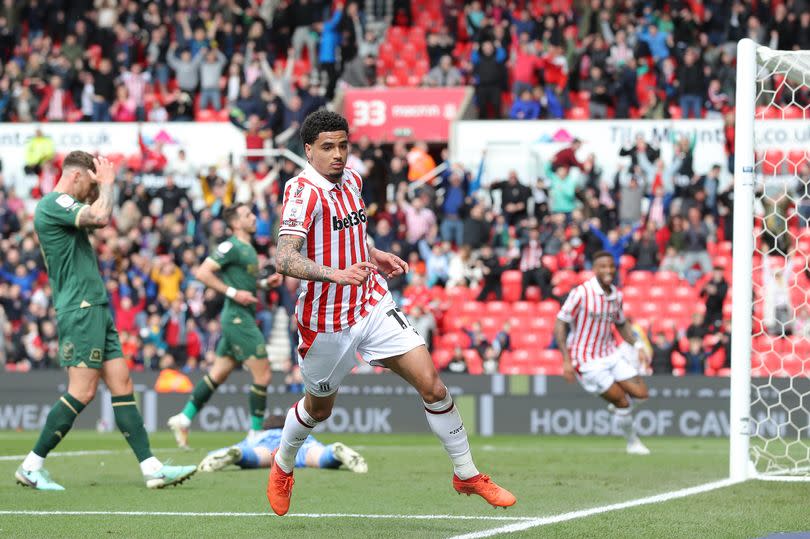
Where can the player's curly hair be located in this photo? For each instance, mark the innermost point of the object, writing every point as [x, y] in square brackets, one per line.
[322, 121]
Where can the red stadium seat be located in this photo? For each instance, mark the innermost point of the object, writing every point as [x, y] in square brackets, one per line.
[441, 357]
[640, 278]
[578, 113]
[512, 283]
[451, 340]
[473, 361]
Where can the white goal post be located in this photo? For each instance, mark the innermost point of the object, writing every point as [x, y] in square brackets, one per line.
[770, 411]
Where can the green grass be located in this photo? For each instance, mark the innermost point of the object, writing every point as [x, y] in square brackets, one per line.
[408, 475]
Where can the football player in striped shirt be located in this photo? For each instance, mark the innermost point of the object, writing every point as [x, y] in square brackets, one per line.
[345, 309]
[584, 333]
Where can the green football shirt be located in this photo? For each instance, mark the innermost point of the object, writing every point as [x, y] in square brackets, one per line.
[239, 268]
[69, 258]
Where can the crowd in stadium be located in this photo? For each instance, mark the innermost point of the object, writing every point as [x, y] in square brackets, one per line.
[265, 65]
[99, 60]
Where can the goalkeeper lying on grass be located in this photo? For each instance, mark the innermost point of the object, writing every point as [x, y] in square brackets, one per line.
[256, 451]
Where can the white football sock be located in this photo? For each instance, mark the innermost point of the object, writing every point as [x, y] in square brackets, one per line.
[151, 466]
[624, 420]
[297, 427]
[446, 423]
[33, 462]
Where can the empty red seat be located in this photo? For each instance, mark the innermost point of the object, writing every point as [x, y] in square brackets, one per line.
[528, 341]
[640, 278]
[578, 113]
[512, 284]
[473, 361]
[441, 357]
[451, 340]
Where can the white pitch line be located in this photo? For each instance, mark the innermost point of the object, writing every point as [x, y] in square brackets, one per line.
[266, 514]
[573, 515]
[86, 453]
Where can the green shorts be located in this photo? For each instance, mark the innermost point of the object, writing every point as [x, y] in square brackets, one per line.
[87, 337]
[241, 339]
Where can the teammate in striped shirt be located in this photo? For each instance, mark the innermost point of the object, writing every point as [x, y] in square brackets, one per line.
[345, 309]
[584, 333]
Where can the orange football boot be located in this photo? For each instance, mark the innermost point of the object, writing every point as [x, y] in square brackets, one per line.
[486, 488]
[279, 488]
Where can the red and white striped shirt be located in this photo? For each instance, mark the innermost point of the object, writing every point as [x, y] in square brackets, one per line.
[332, 220]
[591, 313]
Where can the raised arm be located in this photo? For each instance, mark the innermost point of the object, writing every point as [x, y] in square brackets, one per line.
[97, 214]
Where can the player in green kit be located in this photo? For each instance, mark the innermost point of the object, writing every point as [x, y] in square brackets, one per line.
[88, 342]
[242, 342]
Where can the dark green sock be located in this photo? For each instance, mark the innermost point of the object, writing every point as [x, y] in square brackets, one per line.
[202, 392]
[58, 423]
[130, 423]
[257, 402]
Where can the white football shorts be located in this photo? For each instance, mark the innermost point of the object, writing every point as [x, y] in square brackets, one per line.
[384, 333]
[599, 374]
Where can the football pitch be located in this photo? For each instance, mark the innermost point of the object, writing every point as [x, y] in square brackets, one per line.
[566, 487]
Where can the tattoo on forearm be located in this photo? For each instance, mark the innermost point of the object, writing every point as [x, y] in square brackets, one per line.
[98, 213]
[290, 261]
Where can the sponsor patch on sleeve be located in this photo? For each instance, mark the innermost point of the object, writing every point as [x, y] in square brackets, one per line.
[66, 201]
[224, 247]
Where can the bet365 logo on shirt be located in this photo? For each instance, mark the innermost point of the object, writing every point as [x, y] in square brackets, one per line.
[352, 219]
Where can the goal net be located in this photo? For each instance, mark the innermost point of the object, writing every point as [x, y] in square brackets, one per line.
[770, 393]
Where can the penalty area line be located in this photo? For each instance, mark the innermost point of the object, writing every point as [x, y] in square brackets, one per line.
[584, 513]
[267, 514]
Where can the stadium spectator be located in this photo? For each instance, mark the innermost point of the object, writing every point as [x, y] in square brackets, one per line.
[425, 324]
[492, 270]
[444, 74]
[690, 82]
[210, 72]
[514, 196]
[327, 52]
[613, 242]
[57, 103]
[457, 363]
[38, 150]
[419, 218]
[695, 356]
[644, 248]
[488, 61]
[696, 237]
[715, 292]
[567, 157]
[525, 107]
[662, 351]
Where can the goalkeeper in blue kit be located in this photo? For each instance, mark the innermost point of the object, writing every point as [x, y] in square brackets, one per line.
[256, 451]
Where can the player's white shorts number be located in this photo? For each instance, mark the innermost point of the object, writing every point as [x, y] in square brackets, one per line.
[384, 333]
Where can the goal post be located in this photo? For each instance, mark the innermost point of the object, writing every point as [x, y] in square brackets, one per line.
[742, 257]
[769, 417]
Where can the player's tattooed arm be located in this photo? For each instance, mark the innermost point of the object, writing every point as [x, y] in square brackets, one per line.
[97, 214]
[290, 261]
